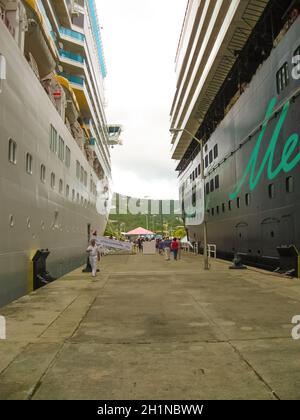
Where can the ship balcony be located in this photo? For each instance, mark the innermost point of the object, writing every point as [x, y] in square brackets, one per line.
[74, 41]
[79, 87]
[72, 63]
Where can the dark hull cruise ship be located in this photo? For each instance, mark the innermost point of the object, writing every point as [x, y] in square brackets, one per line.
[236, 112]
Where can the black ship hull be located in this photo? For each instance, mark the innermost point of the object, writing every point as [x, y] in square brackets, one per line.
[252, 174]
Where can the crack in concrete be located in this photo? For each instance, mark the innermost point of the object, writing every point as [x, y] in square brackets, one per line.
[241, 356]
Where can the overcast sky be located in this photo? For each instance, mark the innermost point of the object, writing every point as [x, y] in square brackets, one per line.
[140, 40]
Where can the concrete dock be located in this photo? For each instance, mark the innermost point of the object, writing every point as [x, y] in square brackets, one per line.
[153, 329]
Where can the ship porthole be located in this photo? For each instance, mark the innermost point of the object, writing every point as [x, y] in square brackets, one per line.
[11, 221]
[28, 223]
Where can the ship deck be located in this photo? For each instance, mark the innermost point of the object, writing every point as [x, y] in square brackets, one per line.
[151, 329]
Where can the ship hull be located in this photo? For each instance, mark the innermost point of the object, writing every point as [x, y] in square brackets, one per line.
[263, 216]
[32, 214]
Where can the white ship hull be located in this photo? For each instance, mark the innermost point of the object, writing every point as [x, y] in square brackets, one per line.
[33, 215]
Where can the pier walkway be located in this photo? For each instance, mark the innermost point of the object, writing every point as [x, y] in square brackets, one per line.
[151, 329]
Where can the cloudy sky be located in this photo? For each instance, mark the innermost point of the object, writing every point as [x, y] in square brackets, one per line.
[140, 41]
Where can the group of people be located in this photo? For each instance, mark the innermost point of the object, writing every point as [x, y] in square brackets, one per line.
[166, 246]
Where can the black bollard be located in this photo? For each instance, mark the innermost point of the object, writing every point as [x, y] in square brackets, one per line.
[237, 263]
[88, 268]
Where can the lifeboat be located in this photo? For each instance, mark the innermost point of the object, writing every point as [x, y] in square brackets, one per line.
[37, 41]
[72, 107]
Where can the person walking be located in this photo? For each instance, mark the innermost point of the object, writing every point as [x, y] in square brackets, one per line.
[161, 246]
[94, 256]
[167, 247]
[140, 245]
[179, 250]
[175, 247]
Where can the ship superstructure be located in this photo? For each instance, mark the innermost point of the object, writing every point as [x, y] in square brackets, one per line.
[55, 161]
[237, 94]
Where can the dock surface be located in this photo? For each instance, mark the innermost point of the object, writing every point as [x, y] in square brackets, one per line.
[147, 328]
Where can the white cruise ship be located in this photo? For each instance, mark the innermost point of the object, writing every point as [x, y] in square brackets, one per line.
[54, 148]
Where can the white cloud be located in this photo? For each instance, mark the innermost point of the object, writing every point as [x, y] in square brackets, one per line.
[140, 40]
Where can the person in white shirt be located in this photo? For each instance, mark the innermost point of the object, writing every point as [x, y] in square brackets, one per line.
[94, 256]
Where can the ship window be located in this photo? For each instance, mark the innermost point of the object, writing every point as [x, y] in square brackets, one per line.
[67, 190]
[271, 190]
[238, 202]
[218, 210]
[206, 161]
[223, 208]
[211, 156]
[77, 169]
[29, 163]
[73, 194]
[216, 152]
[85, 178]
[207, 188]
[212, 211]
[248, 199]
[196, 173]
[230, 205]
[81, 174]
[53, 139]
[289, 184]
[68, 157]
[61, 149]
[53, 180]
[212, 185]
[61, 186]
[282, 78]
[43, 173]
[199, 169]
[217, 182]
[12, 151]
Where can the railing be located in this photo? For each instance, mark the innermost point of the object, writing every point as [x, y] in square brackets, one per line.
[72, 34]
[212, 249]
[73, 79]
[71, 56]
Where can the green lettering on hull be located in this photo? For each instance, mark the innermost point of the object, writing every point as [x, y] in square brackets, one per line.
[286, 164]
